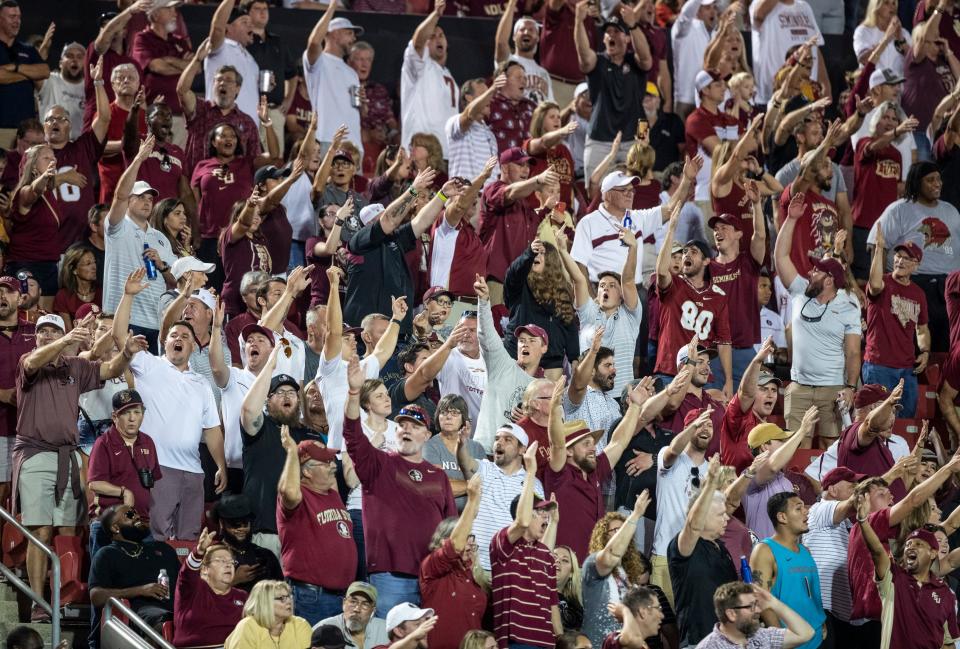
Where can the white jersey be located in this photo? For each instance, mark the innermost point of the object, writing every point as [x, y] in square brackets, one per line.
[690, 38]
[330, 83]
[429, 96]
[539, 84]
[57, 91]
[866, 38]
[233, 53]
[466, 377]
[784, 27]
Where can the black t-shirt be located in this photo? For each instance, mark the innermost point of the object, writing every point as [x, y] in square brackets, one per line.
[378, 272]
[630, 486]
[263, 459]
[399, 399]
[617, 95]
[667, 137]
[16, 99]
[114, 567]
[253, 555]
[694, 579]
[272, 54]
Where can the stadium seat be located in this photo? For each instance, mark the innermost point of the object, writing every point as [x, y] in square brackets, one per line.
[909, 429]
[931, 375]
[73, 587]
[802, 457]
[926, 401]
[183, 548]
[14, 547]
[168, 631]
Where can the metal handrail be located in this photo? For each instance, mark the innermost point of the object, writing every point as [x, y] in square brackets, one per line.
[53, 607]
[135, 619]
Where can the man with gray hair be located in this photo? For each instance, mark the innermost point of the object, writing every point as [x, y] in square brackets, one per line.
[316, 333]
[65, 87]
[125, 80]
[470, 141]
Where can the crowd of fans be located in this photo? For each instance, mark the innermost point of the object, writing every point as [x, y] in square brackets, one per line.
[625, 344]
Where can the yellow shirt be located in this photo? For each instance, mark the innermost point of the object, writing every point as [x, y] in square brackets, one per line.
[250, 635]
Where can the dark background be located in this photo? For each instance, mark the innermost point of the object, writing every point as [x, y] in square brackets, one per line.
[470, 39]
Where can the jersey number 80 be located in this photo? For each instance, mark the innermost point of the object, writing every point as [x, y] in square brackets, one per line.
[695, 320]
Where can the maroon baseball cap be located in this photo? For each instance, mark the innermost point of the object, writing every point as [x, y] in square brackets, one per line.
[690, 416]
[840, 474]
[311, 450]
[11, 283]
[912, 249]
[254, 328]
[729, 219]
[515, 155]
[344, 154]
[84, 310]
[434, 292]
[414, 413]
[926, 536]
[533, 330]
[833, 268]
[870, 394]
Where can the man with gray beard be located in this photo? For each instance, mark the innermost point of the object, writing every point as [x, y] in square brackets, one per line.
[271, 402]
[357, 621]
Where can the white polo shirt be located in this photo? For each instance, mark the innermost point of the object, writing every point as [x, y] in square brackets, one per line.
[596, 243]
[178, 406]
[233, 53]
[329, 81]
[332, 380]
[124, 254]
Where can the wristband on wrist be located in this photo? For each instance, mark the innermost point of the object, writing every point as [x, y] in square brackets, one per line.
[443, 197]
[339, 222]
[395, 321]
[353, 392]
[413, 192]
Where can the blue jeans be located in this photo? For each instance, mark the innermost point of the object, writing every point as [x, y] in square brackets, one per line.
[741, 358]
[889, 377]
[313, 603]
[393, 590]
[924, 148]
[296, 255]
[356, 515]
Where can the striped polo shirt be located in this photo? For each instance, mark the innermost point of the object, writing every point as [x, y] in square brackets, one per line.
[524, 590]
[499, 490]
[124, 254]
[827, 542]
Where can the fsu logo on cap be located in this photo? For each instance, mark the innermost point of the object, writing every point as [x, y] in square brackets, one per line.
[415, 475]
[343, 530]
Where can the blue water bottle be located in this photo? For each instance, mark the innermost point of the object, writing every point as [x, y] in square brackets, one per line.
[627, 224]
[148, 263]
[745, 575]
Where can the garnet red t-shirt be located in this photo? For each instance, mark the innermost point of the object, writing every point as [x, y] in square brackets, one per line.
[243, 255]
[863, 585]
[875, 178]
[505, 229]
[147, 46]
[581, 500]
[163, 170]
[278, 233]
[301, 109]
[320, 526]
[562, 162]
[872, 460]
[684, 311]
[201, 617]
[75, 201]
[35, 236]
[67, 302]
[892, 320]
[701, 124]
[111, 166]
[657, 40]
[734, 428]
[739, 280]
[557, 55]
[221, 185]
[948, 22]
[737, 203]
[111, 460]
[815, 231]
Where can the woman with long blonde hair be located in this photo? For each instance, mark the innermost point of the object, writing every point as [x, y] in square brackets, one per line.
[881, 17]
[613, 566]
[569, 588]
[478, 639]
[537, 292]
[640, 160]
[268, 620]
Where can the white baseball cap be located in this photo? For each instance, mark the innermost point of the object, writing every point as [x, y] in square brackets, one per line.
[884, 76]
[344, 23]
[616, 179]
[371, 212]
[581, 88]
[704, 78]
[143, 187]
[184, 265]
[405, 612]
[517, 431]
[204, 296]
[51, 319]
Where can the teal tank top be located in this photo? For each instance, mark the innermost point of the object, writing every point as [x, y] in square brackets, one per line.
[798, 586]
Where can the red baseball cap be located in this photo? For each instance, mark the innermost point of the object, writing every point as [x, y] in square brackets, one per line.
[515, 155]
[912, 249]
[11, 283]
[840, 474]
[926, 536]
[254, 328]
[311, 450]
[83, 311]
[434, 292]
[533, 330]
[833, 268]
[414, 413]
[690, 416]
[870, 394]
[729, 219]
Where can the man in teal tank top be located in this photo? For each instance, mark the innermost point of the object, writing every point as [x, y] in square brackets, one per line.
[782, 565]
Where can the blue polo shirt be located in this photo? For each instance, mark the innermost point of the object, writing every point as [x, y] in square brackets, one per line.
[16, 99]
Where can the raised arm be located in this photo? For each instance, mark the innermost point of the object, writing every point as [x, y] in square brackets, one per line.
[584, 370]
[464, 527]
[218, 24]
[424, 375]
[425, 29]
[628, 426]
[275, 196]
[875, 283]
[780, 457]
[612, 553]
[558, 449]
[925, 490]
[586, 57]
[725, 173]
[41, 356]
[297, 281]
[319, 32]
[680, 441]
[542, 144]
[748, 384]
[121, 196]
[119, 22]
[758, 240]
[664, 276]
[781, 252]
[468, 463]
[133, 285]
[428, 214]
[641, 48]
[218, 364]
[101, 119]
[251, 411]
[501, 43]
[628, 276]
[188, 100]
[697, 516]
[581, 287]
[881, 560]
[388, 341]
[288, 488]
[525, 505]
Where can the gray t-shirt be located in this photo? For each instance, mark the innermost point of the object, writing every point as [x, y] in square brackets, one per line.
[597, 621]
[935, 229]
[789, 172]
[823, 361]
[435, 452]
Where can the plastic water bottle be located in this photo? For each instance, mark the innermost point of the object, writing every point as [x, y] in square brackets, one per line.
[164, 580]
[844, 411]
[148, 263]
[746, 576]
[627, 224]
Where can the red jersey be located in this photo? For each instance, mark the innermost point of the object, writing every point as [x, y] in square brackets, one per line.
[581, 499]
[875, 459]
[684, 311]
[892, 321]
[875, 178]
[734, 428]
[221, 185]
[506, 229]
[319, 526]
[75, 201]
[147, 45]
[163, 170]
[739, 280]
[111, 60]
[111, 166]
[863, 585]
[815, 231]
[447, 586]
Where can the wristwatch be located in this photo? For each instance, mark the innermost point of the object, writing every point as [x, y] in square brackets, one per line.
[339, 222]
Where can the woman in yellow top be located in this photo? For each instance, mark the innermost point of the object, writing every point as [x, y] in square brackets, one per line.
[268, 621]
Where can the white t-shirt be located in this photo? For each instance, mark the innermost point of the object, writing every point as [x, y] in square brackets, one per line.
[429, 96]
[674, 490]
[539, 84]
[866, 38]
[98, 404]
[905, 144]
[332, 380]
[785, 26]
[466, 377]
[233, 53]
[771, 324]
[178, 406]
[596, 243]
[822, 362]
[690, 38]
[300, 212]
[57, 91]
[329, 83]
[231, 404]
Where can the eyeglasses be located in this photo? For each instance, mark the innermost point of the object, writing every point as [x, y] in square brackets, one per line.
[342, 164]
[356, 602]
[283, 598]
[227, 562]
[285, 393]
[656, 606]
[810, 318]
[53, 119]
[695, 476]
[755, 604]
[444, 303]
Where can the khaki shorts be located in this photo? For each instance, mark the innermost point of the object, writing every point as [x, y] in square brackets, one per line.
[797, 398]
[36, 486]
[660, 576]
